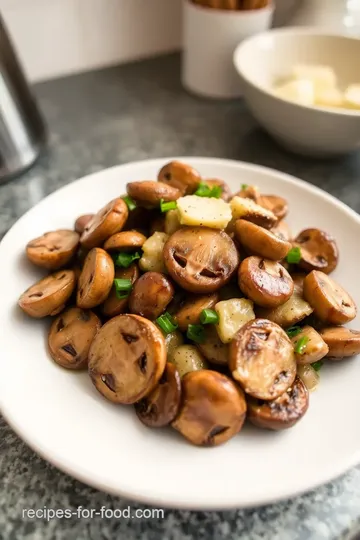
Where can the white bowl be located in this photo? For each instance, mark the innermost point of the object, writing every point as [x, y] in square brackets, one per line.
[265, 58]
[63, 417]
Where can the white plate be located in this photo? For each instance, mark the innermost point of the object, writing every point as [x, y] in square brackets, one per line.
[62, 417]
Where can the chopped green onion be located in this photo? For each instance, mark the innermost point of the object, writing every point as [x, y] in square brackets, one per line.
[204, 190]
[300, 345]
[166, 206]
[166, 323]
[209, 316]
[244, 186]
[196, 332]
[293, 331]
[131, 204]
[123, 288]
[317, 365]
[125, 259]
[294, 256]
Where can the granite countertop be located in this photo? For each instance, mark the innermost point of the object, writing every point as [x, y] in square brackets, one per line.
[116, 115]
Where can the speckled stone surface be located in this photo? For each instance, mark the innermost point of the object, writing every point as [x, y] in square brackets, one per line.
[113, 116]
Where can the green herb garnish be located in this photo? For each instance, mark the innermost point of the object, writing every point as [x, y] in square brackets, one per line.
[204, 190]
[244, 187]
[293, 331]
[209, 316]
[166, 206]
[300, 345]
[131, 204]
[166, 323]
[196, 332]
[294, 256]
[317, 365]
[122, 287]
[124, 260]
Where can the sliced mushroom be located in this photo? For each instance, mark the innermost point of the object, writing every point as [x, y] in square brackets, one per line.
[49, 295]
[213, 408]
[188, 358]
[216, 182]
[265, 282]
[282, 231]
[190, 311]
[259, 241]
[54, 249]
[200, 260]
[96, 279]
[314, 348]
[282, 412]
[331, 303]
[249, 192]
[318, 251]
[213, 349]
[277, 205]
[125, 241]
[82, 222]
[160, 407]
[108, 221]
[249, 210]
[293, 311]
[70, 337]
[113, 305]
[127, 358]
[342, 342]
[262, 359]
[173, 341]
[149, 193]
[151, 295]
[180, 176]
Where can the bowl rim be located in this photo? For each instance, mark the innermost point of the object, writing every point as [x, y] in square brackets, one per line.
[305, 31]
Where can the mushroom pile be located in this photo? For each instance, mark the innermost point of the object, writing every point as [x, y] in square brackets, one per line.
[197, 306]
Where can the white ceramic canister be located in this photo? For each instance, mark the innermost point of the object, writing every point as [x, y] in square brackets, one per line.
[210, 37]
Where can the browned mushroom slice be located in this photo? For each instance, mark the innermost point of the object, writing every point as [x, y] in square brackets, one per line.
[249, 210]
[70, 337]
[180, 176]
[314, 347]
[81, 222]
[249, 192]
[216, 182]
[214, 350]
[342, 342]
[96, 279]
[213, 408]
[160, 407]
[330, 301]
[277, 205]
[113, 305]
[151, 295]
[282, 230]
[199, 259]
[262, 359]
[54, 249]
[265, 282]
[260, 241]
[318, 251]
[282, 412]
[125, 241]
[127, 358]
[190, 310]
[49, 295]
[108, 221]
[149, 193]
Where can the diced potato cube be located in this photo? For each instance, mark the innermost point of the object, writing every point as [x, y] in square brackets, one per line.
[172, 221]
[322, 77]
[233, 314]
[204, 212]
[329, 97]
[152, 259]
[247, 209]
[352, 97]
[299, 91]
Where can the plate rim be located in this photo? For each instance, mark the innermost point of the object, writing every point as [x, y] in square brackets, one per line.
[82, 476]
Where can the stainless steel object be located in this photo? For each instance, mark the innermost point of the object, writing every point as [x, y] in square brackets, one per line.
[22, 130]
